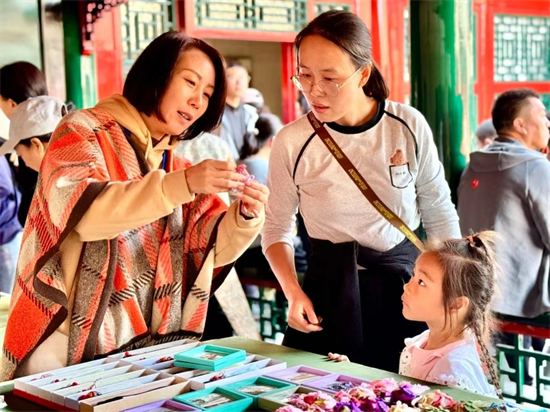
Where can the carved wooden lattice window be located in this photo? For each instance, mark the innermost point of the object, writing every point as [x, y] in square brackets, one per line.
[265, 15]
[322, 7]
[522, 48]
[142, 22]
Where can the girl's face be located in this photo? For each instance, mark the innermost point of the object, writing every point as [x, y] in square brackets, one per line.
[320, 59]
[423, 296]
[187, 96]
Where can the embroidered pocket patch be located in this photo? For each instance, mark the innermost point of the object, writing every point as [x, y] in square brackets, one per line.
[400, 176]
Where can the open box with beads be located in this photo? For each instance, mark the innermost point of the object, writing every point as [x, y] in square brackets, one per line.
[31, 384]
[335, 383]
[167, 405]
[216, 399]
[161, 390]
[154, 348]
[169, 351]
[299, 375]
[58, 396]
[254, 365]
[147, 381]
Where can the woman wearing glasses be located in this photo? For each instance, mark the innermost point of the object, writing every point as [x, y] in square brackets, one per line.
[351, 296]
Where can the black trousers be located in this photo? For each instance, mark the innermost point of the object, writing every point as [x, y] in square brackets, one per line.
[361, 309]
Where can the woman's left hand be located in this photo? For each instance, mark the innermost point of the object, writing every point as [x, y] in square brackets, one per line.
[253, 199]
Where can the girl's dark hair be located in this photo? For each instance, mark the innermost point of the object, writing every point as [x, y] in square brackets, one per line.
[470, 269]
[149, 77]
[350, 33]
[45, 138]
[22, 80]
[267, 126]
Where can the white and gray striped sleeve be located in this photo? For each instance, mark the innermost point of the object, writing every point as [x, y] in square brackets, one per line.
[437, 211]
[283, 202]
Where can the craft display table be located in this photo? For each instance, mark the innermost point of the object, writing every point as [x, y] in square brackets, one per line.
[291, 356]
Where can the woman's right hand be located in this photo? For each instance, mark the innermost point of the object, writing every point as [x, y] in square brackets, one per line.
[213, 176]
[301, 314]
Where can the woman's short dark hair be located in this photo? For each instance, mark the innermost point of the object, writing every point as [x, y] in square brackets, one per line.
[507, 106]
[20, 81]
[45, 138]
[149, 77]
[267, 126]
[350, 33]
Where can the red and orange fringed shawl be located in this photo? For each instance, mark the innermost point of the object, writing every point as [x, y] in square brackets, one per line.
[149, 284]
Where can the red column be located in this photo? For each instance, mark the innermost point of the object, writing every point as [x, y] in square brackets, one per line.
[288, 91]
[108, 53]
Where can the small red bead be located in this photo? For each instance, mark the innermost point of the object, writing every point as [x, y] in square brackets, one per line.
[475, 183]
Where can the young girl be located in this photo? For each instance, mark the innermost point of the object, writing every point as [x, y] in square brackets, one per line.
[451, 290]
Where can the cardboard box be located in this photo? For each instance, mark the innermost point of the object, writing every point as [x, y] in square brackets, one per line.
[176, 406]
[136, 398]
[155, 348]
[85, 380]
[107, 392]
[209, 357]
[147, 380]
[59, 396]
[257, 366]
[259, 386]
[25, 383]
[240, 402]
[331, 383]
[299, 375]
[168, 351]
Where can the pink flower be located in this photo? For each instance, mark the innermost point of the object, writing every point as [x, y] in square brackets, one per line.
[436, 399]
[443, 400]
[288, 408]
[386, 385]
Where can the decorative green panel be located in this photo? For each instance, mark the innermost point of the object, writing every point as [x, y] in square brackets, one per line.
[270, 313]
[516, 373]
[522, 48]
[322, 7]
[262, 15]
[142, 22]
[546, 100]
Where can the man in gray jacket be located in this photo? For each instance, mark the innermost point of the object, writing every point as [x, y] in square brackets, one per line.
[506, 187]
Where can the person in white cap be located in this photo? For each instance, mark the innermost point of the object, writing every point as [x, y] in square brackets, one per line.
[32, 124]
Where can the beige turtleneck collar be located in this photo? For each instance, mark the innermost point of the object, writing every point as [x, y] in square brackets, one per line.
[128, 117]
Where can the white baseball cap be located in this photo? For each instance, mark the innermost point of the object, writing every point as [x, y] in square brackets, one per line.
[253, 96]
[34, 117]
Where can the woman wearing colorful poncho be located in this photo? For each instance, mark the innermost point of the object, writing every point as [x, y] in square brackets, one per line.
[124, 242]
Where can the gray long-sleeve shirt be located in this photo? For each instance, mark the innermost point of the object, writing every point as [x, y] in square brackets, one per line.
[394, 152]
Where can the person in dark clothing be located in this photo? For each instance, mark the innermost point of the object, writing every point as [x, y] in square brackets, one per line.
[238, 119]
[11, 231]
[20, 81]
